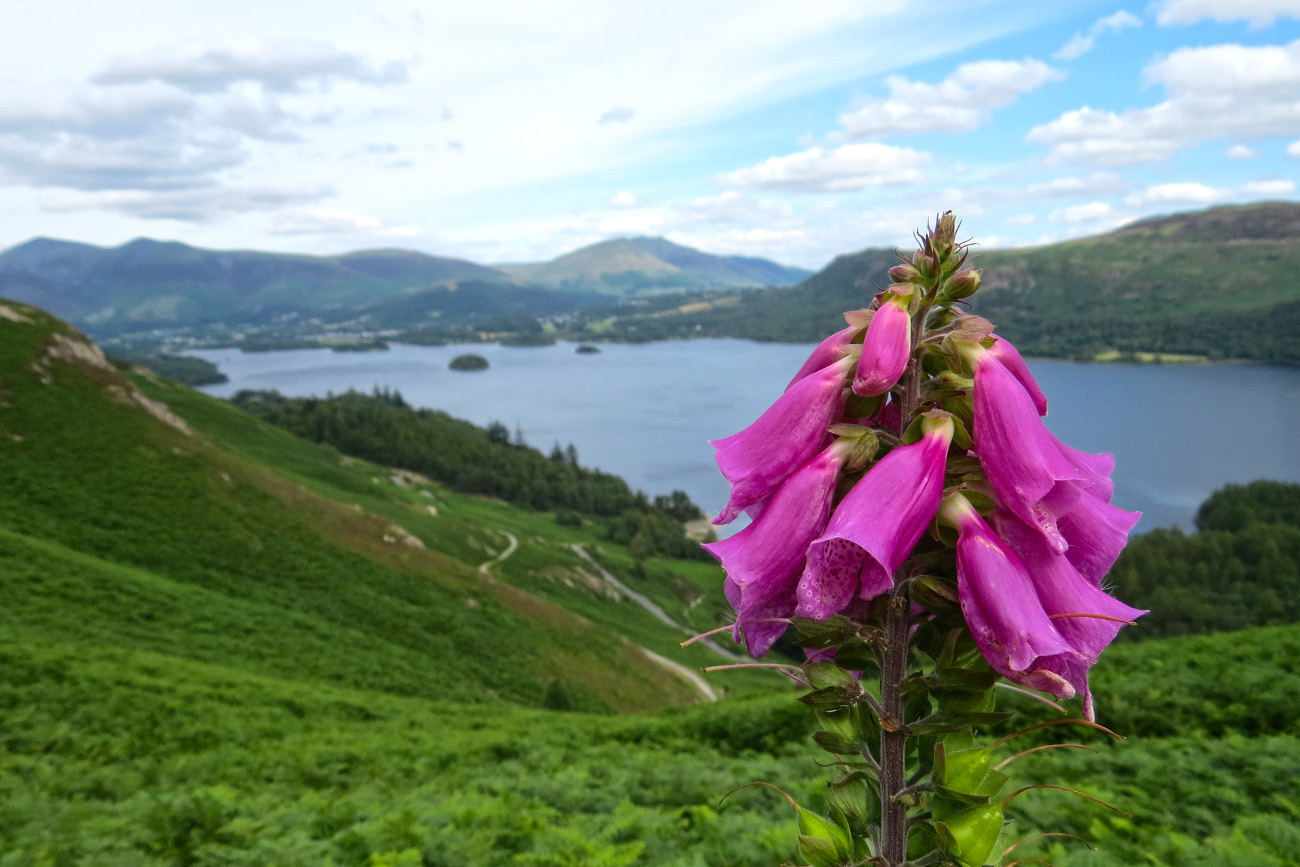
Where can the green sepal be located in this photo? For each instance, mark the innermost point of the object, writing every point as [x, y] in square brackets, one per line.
[835, 743]
[820, 634]
[960, 433]
[857, 655]
[970, 835]
[948, 721]
[812, 825]
[827, 674]
[832, 697]
[983, 503]
[817, 852]
[858, 406]
[914, 433]
[930, 592]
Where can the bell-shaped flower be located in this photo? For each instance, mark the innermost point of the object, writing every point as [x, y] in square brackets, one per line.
[1004, 352]
[829, 351]
[1002, 610]
[887, 347]
[1096, 469]
[764, 560]
[1026, 465]
[877, 524]
[1086, 616]
[763, 455]
[1097, 533]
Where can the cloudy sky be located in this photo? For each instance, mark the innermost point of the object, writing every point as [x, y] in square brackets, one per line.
[514, 131]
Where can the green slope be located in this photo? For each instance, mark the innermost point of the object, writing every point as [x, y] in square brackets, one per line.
[220, 529]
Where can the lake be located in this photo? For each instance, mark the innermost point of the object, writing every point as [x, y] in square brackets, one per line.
[646, 412]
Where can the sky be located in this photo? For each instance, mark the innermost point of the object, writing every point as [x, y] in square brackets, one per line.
[517, 131]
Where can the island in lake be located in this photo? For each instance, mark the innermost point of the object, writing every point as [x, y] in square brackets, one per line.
[468, 361]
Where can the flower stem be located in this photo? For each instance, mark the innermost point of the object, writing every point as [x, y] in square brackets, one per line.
[893, 736]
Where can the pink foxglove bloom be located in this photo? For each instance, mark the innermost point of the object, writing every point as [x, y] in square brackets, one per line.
[1004, 352]
[1097, 533]
[1024, 463]
[876, 525]
[887, 346]
[764, 560]
[1000, 603]
[829, 351]
[1096, 468]
[762, 456]
[1086, 616]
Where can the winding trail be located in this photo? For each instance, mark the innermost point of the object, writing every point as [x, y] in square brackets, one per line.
[648, 605]
[510, 549]
[682, 671]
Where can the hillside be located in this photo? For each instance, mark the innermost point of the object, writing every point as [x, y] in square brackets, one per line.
[1216, 284]
[223, 644]
[145, 516]
[627, 267]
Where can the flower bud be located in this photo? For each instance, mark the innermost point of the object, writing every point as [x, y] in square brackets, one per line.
[903, 273]
[926, 265]
[963, 284]
[886, 347]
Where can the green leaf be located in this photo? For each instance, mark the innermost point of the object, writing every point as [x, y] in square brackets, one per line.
[832, 697]
[818, 634]
[970, 835]
[834, 743]
[827, 674]
[812, 825]
[817, 852]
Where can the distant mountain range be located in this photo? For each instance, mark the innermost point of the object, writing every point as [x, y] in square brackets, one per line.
[636, 266]
[147, 283]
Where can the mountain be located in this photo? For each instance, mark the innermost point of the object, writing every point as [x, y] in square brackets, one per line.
[1213, 284]
[651, 266]
[146, 283]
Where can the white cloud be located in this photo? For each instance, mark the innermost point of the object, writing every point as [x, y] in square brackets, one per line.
[1081, 43]
[624, 199]
[734, 206]
[1260, 13]
[1095, 184]
[189, 205]
[960, 103]
[1080, 213]
[1177, 193]
[1219, 91]
[1240, 152]
[1293, 149]
[1269, 189]
[617, 114]
[848, 167]
[1022, 219]
[277, 66]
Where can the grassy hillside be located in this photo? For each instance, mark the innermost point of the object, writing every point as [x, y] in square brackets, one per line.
[1214, 284]
[198, 531]
[223, 645]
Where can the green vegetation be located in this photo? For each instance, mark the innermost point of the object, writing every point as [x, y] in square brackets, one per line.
[469, 361]
[221, 644]
[1241, 568]
[187, 369]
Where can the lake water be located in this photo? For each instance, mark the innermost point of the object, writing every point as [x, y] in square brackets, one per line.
[647, 411]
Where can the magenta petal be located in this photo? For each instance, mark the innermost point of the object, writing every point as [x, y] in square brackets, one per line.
[1021, 458]
[1096, 468]
[1005, 617]
[763, 455]
[763, 561]
[1004, 352]
[885, 349]
[829, 351]
[1066, 596]
[1097, 533]
[875, 527]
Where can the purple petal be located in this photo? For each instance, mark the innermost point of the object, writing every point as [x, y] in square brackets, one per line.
[1005, 617]
[763, 455]
[829, 351]
[1097, 533]
[875, 527]
[764, 560]
[1020, 456]
[1004, 352]
[886, 348]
